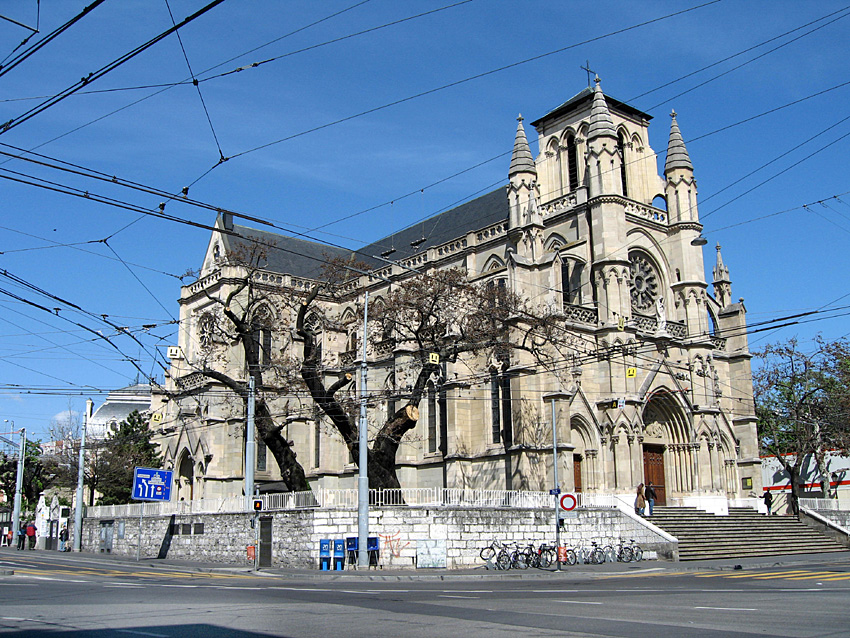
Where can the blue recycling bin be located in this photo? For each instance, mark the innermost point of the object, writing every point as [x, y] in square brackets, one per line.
[352, 545]
[325, 554]
[372, 547]
[339, 554]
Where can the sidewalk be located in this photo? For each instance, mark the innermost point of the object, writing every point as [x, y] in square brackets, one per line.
[576, 571]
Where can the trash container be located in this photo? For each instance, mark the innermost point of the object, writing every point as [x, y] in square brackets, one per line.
[252, 552]
[325, 554]
[339, 554]
[373, 548]
[352, 546]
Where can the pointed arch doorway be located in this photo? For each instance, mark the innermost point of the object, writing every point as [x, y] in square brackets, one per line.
[666, 429]
[653, 471]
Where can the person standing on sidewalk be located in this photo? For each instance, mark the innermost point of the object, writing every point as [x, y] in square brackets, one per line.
[31, 530]
[649, 493]
[63, 538]
[22, 537]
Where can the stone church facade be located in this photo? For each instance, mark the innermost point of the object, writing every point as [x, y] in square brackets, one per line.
[656, 385]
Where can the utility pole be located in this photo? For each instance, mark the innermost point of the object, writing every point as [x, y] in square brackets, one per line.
[19, 482]
[78, 511]
[556, 489]
[363, 460]
[250, 447]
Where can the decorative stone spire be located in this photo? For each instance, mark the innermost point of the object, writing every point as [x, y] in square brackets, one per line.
[601, 124]
[521, 160]
[722, 283]
[677, 154]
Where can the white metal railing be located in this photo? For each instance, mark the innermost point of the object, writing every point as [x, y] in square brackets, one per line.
[198, 506]
[347, 499]
[820, 503]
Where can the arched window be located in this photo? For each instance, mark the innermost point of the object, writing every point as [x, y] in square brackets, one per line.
[432, 418]
[261, 335]
[621, 151]
[571, 277]
[501, 419]
[572, 161]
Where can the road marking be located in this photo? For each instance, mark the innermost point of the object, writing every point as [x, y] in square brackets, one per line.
[579, 602]
[845, 577]
[453, 596]
[728, 608]
[768, 575]
[182, 586]
[141, 633]
[814, 575]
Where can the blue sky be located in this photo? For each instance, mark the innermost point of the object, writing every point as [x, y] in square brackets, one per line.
[785, 263]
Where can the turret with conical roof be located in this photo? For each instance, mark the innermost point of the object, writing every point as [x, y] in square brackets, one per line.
[522, 190]
[681, 187]
[722, 283]
[604, 160]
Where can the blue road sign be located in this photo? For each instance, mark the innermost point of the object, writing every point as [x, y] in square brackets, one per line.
[152, 485]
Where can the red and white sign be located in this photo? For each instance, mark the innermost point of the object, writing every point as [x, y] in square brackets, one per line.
[568, 502]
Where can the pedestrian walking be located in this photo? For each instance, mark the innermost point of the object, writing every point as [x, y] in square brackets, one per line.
[22, 537]
[30, 532]
[649, 493]
[640, 501]
[768, 500]
[63, 538]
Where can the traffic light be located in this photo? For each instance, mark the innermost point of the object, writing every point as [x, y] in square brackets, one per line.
[258, 505]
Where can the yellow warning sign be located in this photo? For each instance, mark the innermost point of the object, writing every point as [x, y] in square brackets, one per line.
[631, 373]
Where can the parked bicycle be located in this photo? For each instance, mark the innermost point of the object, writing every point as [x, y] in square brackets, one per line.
[498, 551]
[637, 552]
[591, 555]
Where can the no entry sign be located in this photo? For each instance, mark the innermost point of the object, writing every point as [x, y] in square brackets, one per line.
[568, 502]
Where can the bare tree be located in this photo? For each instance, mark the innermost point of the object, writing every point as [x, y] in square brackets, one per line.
[802, 406]
[438, 317]
[239, 320]
[63, 458]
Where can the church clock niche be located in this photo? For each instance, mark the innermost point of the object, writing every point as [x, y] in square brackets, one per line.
[644, 284]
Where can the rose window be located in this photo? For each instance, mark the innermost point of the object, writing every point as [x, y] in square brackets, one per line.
[644, 285]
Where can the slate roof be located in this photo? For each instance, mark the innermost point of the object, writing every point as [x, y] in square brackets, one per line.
[586, 95]
[304, 258]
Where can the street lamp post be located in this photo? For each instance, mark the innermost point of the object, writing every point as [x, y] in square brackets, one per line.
[554, 396]
[78, 511]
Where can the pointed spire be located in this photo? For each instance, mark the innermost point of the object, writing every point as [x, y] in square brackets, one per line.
[721, 272]
[601, 124]
[677, 154]
[521, 160]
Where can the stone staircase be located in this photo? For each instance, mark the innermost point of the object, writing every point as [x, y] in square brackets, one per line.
[744, 532]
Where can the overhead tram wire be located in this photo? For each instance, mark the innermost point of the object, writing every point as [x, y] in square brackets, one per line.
[506, 152]
[846, 11]
[457, 83]
[195, 81]
[735, 55]
[96, 75]
[5, 68]
[270, 246]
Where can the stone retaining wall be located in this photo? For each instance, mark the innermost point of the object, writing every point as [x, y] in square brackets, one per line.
[408, 536]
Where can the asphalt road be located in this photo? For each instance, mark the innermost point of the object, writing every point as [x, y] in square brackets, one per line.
[51, 594]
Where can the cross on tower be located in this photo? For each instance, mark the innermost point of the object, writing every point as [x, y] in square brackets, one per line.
[586, 67]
